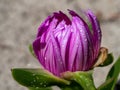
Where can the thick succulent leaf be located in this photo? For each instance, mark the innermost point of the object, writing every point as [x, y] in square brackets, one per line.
[108, 60]
[31, 50]
[84, 79]
[37, 88]
[37, 78]
[72, 86]
[111, 77]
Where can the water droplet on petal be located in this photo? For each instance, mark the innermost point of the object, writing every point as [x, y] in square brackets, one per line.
[80, 30]
[45, 58]
[85, 40]
[98, 38]
[98, 31]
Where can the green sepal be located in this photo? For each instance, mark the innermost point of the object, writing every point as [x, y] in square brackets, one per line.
[84, 79]
[108, 60]
[31, 50]
[37, 78]
[111, 77]
[37, 88]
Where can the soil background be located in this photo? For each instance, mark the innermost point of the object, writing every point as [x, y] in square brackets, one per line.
[19, 20]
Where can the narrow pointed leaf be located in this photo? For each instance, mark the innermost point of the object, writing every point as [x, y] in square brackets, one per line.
[114, 73]
[117, 86]
[115, 70]
[111, 77]
[37, 78]
[31, 50]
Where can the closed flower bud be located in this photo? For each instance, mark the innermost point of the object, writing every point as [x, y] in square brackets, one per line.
[63, 44]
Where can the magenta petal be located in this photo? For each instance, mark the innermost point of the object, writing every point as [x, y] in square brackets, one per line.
[60, 16]
[96, 32]
[44, 26]
[88, 32]
[84, 41]
[37, 46]
[64, 46]
[95, 26]
[57, 55]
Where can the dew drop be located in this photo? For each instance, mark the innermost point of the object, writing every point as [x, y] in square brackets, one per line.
[75, 79]
[81, 76]
[63, 45]
[61, 63]
[98, 38]
[87, 81]
[37, 78]
[34, 80]
[85, 40]
[98, 31]
[33, 85]
[45, 58]
[33, 74]
[41, 83]
[31, 82]
[44, 85]
[80, 30]
[87, 84]
[37, 87]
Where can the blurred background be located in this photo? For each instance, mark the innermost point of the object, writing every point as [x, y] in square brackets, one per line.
[19, 20]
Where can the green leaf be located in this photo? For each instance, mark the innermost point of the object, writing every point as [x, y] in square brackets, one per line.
[90, 27]
[37, 78]
[31, 50]
[108, 60]
[37, 88]
[111, 77]
[84, 79]
[106, 85]
[72, 86]
[114, 72]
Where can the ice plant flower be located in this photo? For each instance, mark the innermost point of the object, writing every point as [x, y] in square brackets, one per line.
[63, 44]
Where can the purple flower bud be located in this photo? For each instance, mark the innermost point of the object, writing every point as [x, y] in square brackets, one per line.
[64, 45]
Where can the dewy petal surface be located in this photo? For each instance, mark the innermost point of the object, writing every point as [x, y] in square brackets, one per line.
[64, 44]
[96, 32]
